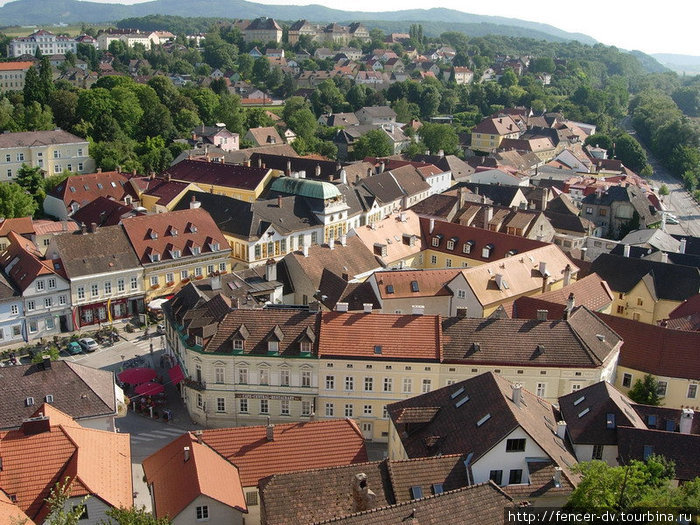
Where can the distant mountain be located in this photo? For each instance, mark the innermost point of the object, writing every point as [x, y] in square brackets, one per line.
[687, 64]
[649, 63]
[46, 12]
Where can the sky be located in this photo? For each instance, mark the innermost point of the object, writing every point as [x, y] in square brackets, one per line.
[659, 27]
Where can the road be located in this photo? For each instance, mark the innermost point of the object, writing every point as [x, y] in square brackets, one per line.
[679, 201]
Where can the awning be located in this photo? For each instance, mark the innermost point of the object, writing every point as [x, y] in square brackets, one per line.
[176, 374]
[136, 376]
[157, 304]
[149, 389]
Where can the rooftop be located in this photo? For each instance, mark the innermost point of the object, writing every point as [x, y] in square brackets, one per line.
[206, 174]
[38, 138]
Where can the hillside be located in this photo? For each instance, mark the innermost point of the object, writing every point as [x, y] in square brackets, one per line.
[44, 12]
[681, 64]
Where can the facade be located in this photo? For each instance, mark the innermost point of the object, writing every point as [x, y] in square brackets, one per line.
[12, 75]
[105, 286]
[175, 247]
[47, 42]
[11, 313]
[488, 134]
[52, 151]
[262, 30]
[217, 136]
[128, 36]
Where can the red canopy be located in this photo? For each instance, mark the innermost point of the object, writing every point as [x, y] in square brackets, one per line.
[149, 389]
[136, 376]
[176, 374]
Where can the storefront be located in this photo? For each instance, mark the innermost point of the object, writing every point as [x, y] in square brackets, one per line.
[98, 312]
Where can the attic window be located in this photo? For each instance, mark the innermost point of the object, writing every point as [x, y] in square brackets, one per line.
[173, 232]
[152, 234]
[175, 254]
[72, 189]
[483, 420]
[192, 228]
[451, 243]
[155, 257]
[416, 492]
[670, 425]
[648, 451]
[511, 253]
[651, 420]
[273, 347]
[390, 288]
[457, 392]
[436, 240]
[414, 286]
[462, 401]
[467, 247]
[486, 251]
[584, 412]
[196, 250]
[378, 349]
[87, 188]
[29, 402]
[49, 398]
[99, 186]
[214, 246]
[114, 185]
[610, 421]
[437, 488]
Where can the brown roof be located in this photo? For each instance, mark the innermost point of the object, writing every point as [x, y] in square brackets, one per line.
[43, 227]
[395, 234]
[399, 284]
[483, 504]
[20, 225]
[455, 429]
[296, 446]
[102, 211]
[79, 391]
[27, 262]
[206, 174]
[334, 289]
[657, 350]
[560, 343]
[39, 138]
[166, 190]
[380, 336]
[439, 206]
[176, 480]
[265, 136]
[591, 291]
[503, 125]
[97, 462]
[181, 230]
[11, 513]
[86, 188]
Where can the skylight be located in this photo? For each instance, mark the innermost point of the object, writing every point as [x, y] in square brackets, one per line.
[457, 392]
[483, 420]
[461, 402]
[579, 400]
[584, 412]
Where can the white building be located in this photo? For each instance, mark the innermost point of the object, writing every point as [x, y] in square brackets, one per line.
[47, 42]
[11, 313]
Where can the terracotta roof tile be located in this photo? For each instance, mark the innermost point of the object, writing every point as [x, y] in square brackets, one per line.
[207, 174]
[83, 189]
[399, 284]
[43, 227]
[28, 264]
[396, 233]
[20, 225]
[380, 336]
[11, 513]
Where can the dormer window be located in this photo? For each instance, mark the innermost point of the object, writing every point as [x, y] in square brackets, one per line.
[467, 247]
[451, 243]
[173, 232]
[305, 347]
[273, 347]
[196, 250]
[191, 228]
[175, 254]
[155, 257]
[486, 251]
[238, 345]
[198, 340]
[152, 234]
[436, 240]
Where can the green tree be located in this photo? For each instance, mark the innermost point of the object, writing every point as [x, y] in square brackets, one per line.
[630, 152]
[645, 391]
[438, 137]
[32, 181]
[663, 190]
[357, 97]
[45, 79]
[230, 112]
[261, 69]
[15, 201]
[64, 106]
[299, 117]
[599, 140]
[32, 86]
[374, 143]
[134, 516]
[36, 117]
[405, 110]
[126, 109]
[429, 101]
[92, 103]
[508, 79]
[57, 501]
[327, 98]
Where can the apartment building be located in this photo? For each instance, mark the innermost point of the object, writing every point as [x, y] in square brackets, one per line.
[46, 41]
[12, 75]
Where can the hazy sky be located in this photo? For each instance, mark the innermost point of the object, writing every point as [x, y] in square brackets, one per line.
[660, 27]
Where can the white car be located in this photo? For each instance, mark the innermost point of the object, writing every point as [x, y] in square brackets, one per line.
[88, 344]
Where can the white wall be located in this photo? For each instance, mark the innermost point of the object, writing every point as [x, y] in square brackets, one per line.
[96, 509]
[585, 453]
[219, 514]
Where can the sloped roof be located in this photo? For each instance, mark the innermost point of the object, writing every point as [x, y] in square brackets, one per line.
[501, 125]
[11, 513]
[178, 481]
[313, 189]
[428, 283]
[102, 211]
[37, 138]
[265, 136]
[336, 289]
[394, 233]
[216, 174]
[296, 446]
[19, 225]
[24, 257]
[84, 189]
[439, 206]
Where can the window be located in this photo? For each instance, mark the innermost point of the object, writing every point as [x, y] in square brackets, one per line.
[387, 384]
[264, 406]
[515, 445]
[597, 452]
[40, 285]
[33, 326]
[184, 274]
[48, 302]
[627, 380]
[243, 376]
[367, 410]
[330, 382]
[222, 267]
[602, 212]
[496, 476]
[661, 388]
[14, 309]
[108, 288]
[433, 259]
[198, 271]
[264, 376]
[243, 405]
[589, 210]
[648, 451]
[575, 387]
[210, 269]
[80, 152]
[284, 407]
[692, 391]
[541, 387]
[407, 386]
[50, 323]
[52, 283]
[349, 383]
[450, 245]
[154, 280]
[426, 385]
[31, 305]
[94, 290]
[273, 347]
[120, 285]
[329, 409]
[202, 513]
[516, 476]
[620, 309]
[636, 317]
[284, 377]
[306, 408]
[134, 283]
[219, 374]
[220, 404]
[369, 384]
[306, 378]
[448, 263]
[348, 410]
[200, 401]
[20, 157]
[305, 347]
[251, 498]
[610, 420]
[640, 301]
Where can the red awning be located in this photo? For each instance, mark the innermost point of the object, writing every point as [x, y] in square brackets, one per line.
[176, 374]
[136, 376]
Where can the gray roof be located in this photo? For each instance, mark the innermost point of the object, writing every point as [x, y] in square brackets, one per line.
[38, 138]
[106, 250]
[654, 238]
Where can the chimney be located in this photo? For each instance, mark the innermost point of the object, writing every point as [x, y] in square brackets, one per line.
[36, 425]
[567, 275]
[312, 417]
[362, 497]
[216, 282]
[462, 196]
[561, 429]
[46, 360]
[289, 167]
[543, 268]
[64, 225]
[664, 257]
[343, 177]
[686, 420]
[194, 203]
[557, 476]
[259, 162]
[198, 435]
[432, 225]
[83, 228]
[345, 276]
[570, 303]
[367, 308]
[462, 312]
[93, 227]
[417, 309]
[403, 217]
[488, 215]
[542, 315]
[382, 167]
[331, 243]
[517, 394]
[270, 430]
[343, 240]
[499, 280]
[318, 170]
[305, 250]
[186, 453]
[681, 249]
[271, 270]
[314, 307]
[98, 170]
[626, 250]
[441, 153]
[341, 307]
[279, 201]
[302, 174]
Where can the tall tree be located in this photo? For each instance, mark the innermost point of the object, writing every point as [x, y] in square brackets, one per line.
[15, 201]
[374, 143]
[32, 86]
[645, 391]
[45, 79]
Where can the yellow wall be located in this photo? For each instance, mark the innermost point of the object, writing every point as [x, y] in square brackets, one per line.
[676, 388]
[191, 264]
[458, 261]
[638, 304]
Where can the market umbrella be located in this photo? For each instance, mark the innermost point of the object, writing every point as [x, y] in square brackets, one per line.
[136, 376]
[149, 389]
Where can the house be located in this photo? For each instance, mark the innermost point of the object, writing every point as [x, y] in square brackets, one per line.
[686, 316]
[400, 290]
[440, 207]
[11, 513]
[257, 452]
[338, 120]
[130, 37]
[499, 177]
[509, 434]
[215, 135]
[52, 151]
[160, 195]
[542, 147]
[345, 138]
[177, 246]
[263, 136]
[671, 356]
[45, 291]
[262, 30]
[102, 211]
[504, 195]
[12, 75]
[376, 115]
[46, 41]
[646, 290]
[105, 284]
[352, 491]
[11, 313]
[92, 462]
[77, 191]
[619, 207]
[334, 290]
[460, 170]
[188, 482]
[395, 240]
[302, 28]
[87, 395]
[462, 75]
[240, 182]
[488, 134]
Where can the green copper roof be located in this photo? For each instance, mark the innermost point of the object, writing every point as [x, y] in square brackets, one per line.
[314, 189]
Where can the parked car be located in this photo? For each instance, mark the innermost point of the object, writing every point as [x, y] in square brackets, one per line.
[88, 344]
[74, 348]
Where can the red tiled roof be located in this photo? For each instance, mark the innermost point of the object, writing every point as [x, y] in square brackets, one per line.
[429, 283]
[296, 446]
[86, 188]
[656, 350]
[399, 336]
[13, 66]
[166, 190]
[216, 174]
[690, 306]
[42, 227]
[178, 481]
[20, 225]
[11, 513]
[28, 266]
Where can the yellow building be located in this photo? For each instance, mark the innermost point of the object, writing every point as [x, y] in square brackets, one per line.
[488, 134]
[161, 195]
[176, 247]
